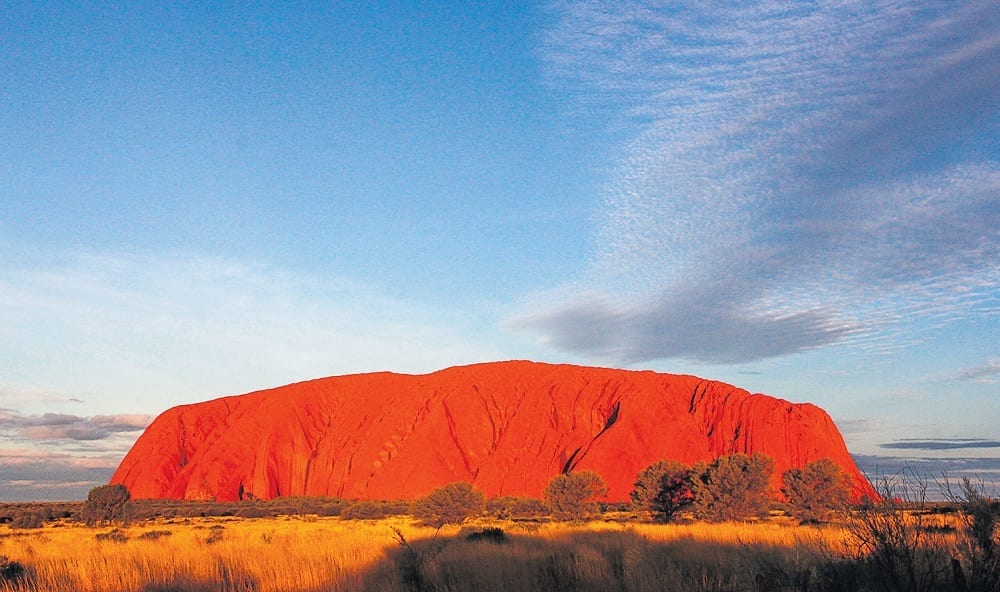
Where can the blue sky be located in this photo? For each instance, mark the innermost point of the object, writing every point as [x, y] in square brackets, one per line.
[203, 200]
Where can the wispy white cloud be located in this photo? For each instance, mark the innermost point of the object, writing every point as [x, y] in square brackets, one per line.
[14, 395]
[988, 373]
[799, 175]
[143, 332]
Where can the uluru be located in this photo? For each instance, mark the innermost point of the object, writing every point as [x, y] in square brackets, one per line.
[506, 427]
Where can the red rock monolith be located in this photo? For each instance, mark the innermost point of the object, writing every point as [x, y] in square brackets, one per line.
[506, 427]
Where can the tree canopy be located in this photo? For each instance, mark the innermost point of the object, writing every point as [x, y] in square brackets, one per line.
[732, 487]
[106, 503]
[815, 489]
[451, 504]
[664, 488]
[573, 496]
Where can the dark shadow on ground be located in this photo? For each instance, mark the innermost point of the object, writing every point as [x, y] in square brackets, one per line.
[613, 561]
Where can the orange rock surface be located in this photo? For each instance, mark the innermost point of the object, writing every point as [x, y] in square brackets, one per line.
[506, 427]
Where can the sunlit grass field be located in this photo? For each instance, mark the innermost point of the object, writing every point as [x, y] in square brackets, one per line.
[327, 553]
[309, 553]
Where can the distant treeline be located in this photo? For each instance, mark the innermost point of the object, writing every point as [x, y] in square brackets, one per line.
[35, 514]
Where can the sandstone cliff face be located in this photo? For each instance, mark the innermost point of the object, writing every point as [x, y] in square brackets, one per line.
[507, 427]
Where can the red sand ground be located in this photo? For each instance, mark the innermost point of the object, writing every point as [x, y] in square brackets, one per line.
[507, 427]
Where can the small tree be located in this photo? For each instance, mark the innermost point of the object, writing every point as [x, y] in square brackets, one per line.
[732, 487]
[451, 504]
[816, 489]
[107, 503]
[573, 496]
[663, 488]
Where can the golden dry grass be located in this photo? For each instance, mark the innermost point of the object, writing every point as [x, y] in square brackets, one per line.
[313, 554]
[264, 554]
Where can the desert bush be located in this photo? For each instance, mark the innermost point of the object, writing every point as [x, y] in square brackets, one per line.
[364, 510]
[27, 520]
[732, 487]
[255, 508]
[528, 508]
[516, 508]
[114, 535]
[816, 489]
[215, 534]
[491, 534]
[977, 569]
[451, 504]
[500, 507]
[152, 535]
[396, 507]
[573, 496]
[253, 512]
[663, 488]
[899, 553]
[330, 507]
[107, 503]
[10, 571]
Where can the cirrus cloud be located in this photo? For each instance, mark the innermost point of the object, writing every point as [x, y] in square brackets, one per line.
[798, 175]
[987, 373]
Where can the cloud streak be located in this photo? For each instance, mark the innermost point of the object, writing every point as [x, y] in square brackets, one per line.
[935, 473]
[988, 373]
[59, 426]
[797, 176]
[938, 444]
[34, 475]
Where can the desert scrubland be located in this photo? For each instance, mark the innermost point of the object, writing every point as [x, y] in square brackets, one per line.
[320, 553]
